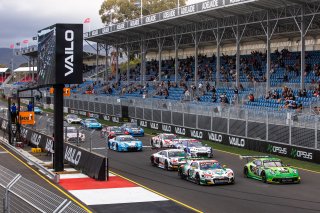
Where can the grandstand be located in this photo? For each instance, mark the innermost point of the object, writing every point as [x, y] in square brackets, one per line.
[262, 45]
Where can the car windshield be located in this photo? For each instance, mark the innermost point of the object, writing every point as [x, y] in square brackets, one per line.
[210, 165]
[92, 121]
[126, 139]
[36, 108]
[71, 130]
[176, 154]
[73, 116]
[115, 129]
[272, 163]
[132, 125]
[197, 144]
[170, 137]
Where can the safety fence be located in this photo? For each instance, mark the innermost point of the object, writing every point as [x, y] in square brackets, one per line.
[283, 128]
[19, 194]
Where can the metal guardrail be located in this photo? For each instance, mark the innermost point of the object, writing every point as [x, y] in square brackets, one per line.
[22, 195]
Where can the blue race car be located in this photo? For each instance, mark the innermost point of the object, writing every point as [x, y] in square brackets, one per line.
[132, 129]
[91, 123]
[37, 110]
[125, 143]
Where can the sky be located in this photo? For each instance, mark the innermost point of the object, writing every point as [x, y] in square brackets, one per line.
[21, 19]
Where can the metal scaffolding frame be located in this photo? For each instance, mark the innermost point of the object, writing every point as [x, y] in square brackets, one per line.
[245, 21]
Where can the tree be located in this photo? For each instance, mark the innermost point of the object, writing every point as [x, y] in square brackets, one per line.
[114, 11]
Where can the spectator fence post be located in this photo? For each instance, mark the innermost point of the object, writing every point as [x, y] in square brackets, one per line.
[228, 124]
[290, 129]
[246, 117]
[267, 126]
[316, 133]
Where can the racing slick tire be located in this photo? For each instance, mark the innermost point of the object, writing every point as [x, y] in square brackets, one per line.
[264, 177]
[166, 165]
[245, 172]
[197, 179]
[152, 161]
[117, 148]
[180, 173]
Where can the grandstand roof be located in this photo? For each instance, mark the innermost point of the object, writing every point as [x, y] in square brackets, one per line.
[196, 15]
[25, 69]
[4, 70]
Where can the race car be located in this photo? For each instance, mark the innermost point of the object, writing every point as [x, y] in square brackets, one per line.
[72, 134]
[206, 172]
[193, 147]
[72, 119]
[269, 170]
[168, 159]
[124, 143]
[91, 123]
[37, 110]
[110, 132]
[132, 129]
[163, 140]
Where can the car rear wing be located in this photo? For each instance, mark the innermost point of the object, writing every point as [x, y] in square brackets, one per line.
[253, 156]
[193, 159]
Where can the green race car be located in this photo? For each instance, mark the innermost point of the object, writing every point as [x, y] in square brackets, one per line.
[269, 170]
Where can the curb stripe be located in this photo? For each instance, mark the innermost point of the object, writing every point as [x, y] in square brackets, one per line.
[44, 178]
[158, 193]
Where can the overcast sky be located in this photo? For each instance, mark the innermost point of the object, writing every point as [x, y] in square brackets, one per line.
[21, 19]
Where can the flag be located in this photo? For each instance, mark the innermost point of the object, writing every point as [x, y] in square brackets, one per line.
[18, 44]
[87, 20]
[11, 46]
[35, 38]
[25, 41]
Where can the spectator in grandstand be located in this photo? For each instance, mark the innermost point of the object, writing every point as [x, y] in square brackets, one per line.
[251, 97]
[213, 90]
[269, 95]
[214, 97]
[224, 99]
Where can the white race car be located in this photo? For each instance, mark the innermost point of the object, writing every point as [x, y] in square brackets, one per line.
[163, 140]
[193, 147]
[72, 119]
[168, 159]
[206, 172]
[72, 134]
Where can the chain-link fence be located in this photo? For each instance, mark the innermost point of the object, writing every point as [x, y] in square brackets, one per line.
[22, 195]
[287, 127]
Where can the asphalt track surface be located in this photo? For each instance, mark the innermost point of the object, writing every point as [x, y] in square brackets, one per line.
[246, 195]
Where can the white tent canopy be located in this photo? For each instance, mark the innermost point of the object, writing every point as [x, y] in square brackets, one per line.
[2, 70]
[25, 69]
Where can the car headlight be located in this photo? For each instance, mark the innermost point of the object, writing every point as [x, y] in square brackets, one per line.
[295, 171]
[272, 172]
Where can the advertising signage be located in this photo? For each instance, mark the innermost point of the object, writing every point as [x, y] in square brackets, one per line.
[168, 14]
[60, 55]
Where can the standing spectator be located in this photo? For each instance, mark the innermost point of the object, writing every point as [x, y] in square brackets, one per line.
[30, 107]
[13, 113]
